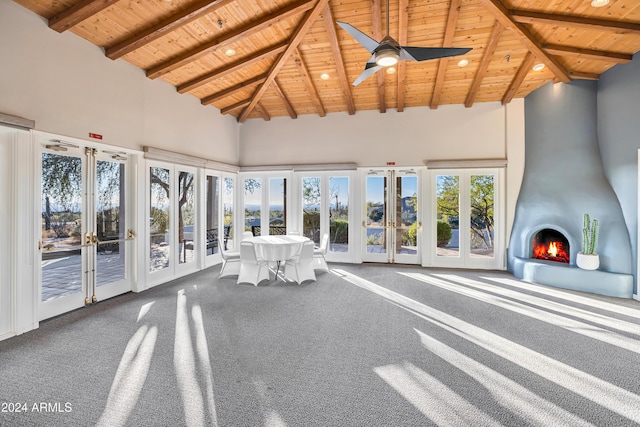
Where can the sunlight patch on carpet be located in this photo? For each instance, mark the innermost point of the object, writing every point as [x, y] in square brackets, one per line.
[130, 377]
[599, 391]
[572, 325]
[434, 399]
[508, 393]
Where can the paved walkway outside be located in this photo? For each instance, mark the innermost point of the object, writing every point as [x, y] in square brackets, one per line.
[63, 276]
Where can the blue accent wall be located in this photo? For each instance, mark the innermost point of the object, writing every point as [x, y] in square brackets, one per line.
[619, 138]
[564, 176]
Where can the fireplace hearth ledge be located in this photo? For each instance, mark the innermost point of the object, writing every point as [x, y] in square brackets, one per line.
[571, 277]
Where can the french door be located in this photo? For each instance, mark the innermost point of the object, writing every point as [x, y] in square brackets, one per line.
[86, 243]
[392, 221]
[325, 208]
[466, 218]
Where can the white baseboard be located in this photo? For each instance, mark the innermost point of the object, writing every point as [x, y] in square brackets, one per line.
[7, 335]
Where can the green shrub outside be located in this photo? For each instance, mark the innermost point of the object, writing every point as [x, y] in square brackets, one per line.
[339, 231]
[444, 233]
[409, 236]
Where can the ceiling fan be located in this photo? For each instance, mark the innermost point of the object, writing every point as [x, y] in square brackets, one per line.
[388, 51]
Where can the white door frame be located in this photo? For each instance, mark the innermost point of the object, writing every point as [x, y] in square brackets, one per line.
[89, 152]
[352, 252]
[390, 230]
[465, 260]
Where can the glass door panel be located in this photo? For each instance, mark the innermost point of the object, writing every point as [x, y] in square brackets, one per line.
[110, 222]
[481, 221]
[63, 227]
[277, 206]
[447, 219]
[159, 242]
[406, 224]
[252, 205]
[186, 217]
[227, 206]
[376, 217]
[311, 204]
[212, 228]
[339, 214]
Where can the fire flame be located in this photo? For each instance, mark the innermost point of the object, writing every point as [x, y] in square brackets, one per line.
[554, 251]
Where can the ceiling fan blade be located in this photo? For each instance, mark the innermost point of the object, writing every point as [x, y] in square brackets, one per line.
[425, 53]
[366, 41]
[369, 70]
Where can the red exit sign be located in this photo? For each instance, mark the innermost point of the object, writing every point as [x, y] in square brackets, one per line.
[391, 163]
[95, 135]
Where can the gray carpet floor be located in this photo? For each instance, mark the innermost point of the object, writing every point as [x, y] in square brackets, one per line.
[365, 345]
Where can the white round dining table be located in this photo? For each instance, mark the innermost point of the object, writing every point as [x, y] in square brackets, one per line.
[277, 248]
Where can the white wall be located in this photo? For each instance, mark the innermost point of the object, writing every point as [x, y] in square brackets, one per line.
[70, 88]
[370, 138]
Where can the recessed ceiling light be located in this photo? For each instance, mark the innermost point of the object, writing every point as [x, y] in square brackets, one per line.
[538, 67]
[324, 76]
[599, 3]
[230, 52]
[463, 63]
[391, 70]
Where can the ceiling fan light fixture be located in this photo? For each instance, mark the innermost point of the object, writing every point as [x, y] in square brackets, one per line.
[599, 3]
[538, 67]
[387, 57]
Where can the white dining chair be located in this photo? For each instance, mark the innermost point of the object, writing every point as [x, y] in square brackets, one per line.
[319, 261]
[300, 267]
[252, 270]
[230, 262]
[246, 234]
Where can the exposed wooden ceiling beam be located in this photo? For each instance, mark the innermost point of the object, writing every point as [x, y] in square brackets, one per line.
[481, 72]
[233, 89]
[377, 34]
[618, 27]
[502, 14]
[78, 13]
[164, 27]
[285, 100]
[518, 78]
[237, 105]
[263, 112]
[584, 76]
[599, 55]
[449, 31]
[337, 58]
[298, 34]
[232, 68]
[239, 33]
[403, 21]
[308, 82]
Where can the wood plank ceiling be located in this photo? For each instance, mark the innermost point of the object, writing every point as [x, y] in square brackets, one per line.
[282, 48]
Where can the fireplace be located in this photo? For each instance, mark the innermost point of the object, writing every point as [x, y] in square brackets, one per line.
[550, 245]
